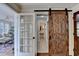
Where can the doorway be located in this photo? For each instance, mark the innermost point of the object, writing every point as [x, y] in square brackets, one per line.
[26, 34]
[42, 34]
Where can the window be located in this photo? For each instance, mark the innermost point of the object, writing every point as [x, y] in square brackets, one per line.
[1, 29]
[4, 28]
[77, 23]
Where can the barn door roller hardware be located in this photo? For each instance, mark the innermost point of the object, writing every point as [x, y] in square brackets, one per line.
[52, 10]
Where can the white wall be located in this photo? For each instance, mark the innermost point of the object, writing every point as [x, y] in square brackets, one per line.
[6, 13]
[75, 8]
[71, 37]
[31, 9]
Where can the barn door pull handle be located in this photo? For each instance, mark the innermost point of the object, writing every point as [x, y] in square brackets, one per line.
[49, 37]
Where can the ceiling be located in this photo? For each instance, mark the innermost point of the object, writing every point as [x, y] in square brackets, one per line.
[48, 5]
[30, 7]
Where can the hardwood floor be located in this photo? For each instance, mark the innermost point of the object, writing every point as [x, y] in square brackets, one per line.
[42, 54]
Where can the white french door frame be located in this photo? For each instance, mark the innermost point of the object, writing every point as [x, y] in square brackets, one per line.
[17, 33]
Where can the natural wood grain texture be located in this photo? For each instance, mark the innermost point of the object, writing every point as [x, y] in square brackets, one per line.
[58, 34]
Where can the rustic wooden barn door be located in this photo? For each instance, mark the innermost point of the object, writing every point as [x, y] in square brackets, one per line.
[58, 33]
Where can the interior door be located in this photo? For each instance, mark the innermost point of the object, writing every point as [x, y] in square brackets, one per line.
[26, 34]
[58, 34]
[76, 34]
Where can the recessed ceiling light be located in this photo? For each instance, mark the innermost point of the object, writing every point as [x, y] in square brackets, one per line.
[42, 16]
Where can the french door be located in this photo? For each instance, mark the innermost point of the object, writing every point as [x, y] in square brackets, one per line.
[26, 34]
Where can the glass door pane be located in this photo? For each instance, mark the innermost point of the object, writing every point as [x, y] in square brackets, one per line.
[77, 28]
[26, 33]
